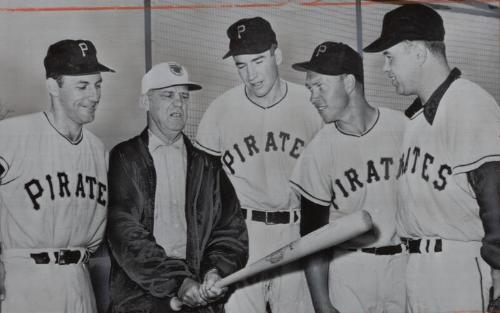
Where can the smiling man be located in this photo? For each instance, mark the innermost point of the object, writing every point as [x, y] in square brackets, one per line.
[175, 225]
[53, 189]
[449, 177]
[349, 166]
[259, 129]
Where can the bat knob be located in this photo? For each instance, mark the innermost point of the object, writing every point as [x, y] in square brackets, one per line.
[175, 304]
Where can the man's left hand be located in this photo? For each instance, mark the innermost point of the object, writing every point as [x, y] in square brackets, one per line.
[208, 290]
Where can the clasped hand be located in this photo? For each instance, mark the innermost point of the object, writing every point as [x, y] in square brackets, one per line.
[193, 293]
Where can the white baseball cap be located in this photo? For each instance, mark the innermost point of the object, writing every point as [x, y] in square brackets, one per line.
[166, 75]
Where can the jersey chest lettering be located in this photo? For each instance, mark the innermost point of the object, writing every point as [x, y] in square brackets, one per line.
[249, 147]
[63, 186]
[417, 162]
[354, 179]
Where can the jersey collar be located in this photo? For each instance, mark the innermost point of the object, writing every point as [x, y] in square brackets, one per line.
[431, 106]
[274, 104]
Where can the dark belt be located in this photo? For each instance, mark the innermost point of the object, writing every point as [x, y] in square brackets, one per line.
[413, 245]
[62, 257]
[386, 250]
[278, 217]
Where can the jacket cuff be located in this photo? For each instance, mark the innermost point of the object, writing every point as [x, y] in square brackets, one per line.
[491, 255]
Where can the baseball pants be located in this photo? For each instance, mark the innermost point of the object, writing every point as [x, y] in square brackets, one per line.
[454, 280]
[45, 288]
[363, 282]
[283, 290]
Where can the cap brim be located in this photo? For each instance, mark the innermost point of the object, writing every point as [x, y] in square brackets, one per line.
[381, 44]
[247, 50]
[103, 68]
[191, 86]
[304, 67]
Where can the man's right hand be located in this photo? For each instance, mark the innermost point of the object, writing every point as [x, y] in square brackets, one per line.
[189, 293]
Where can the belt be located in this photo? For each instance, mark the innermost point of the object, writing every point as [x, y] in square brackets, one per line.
[269, 218]
[422, 245]
[385, 250]
[61, 257]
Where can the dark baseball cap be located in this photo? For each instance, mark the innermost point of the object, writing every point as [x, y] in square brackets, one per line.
[333, 58]
[72, 57]
[250, 36]
[408, 22]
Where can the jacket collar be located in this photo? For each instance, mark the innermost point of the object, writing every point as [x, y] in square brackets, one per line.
[431, 106]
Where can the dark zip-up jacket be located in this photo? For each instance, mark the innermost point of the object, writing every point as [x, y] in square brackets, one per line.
[143, 278]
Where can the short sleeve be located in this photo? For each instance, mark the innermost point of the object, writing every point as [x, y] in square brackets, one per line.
[310, 177]
[8, 145]
[474, 132]
[208, 137]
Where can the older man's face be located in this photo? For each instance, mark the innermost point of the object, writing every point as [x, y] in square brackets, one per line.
[168, 107]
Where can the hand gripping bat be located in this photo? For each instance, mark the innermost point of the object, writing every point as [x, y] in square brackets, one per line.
[336, 232]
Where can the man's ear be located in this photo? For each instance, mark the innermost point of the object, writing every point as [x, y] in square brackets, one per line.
[52, 87]
[144, 102]
[278, 55]
[420, 51]
[349, 83]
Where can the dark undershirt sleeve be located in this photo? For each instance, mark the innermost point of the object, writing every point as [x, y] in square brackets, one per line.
[313, 216]
[485, 182]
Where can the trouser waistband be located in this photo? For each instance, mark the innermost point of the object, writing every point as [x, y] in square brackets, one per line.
[272, 217]
[384, 250]
[73, 255]
[423, 245]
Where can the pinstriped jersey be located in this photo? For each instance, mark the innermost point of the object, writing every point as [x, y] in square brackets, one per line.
[53, 193]
[436, 198]
[259, 146]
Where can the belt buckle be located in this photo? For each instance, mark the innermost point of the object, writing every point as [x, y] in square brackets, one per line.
[60, 257]
[266, 219]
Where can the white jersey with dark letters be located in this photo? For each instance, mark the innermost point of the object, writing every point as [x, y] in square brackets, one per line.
[53, 193]
[53, 197]
[349, 172]
[437, 200]
[259, 146]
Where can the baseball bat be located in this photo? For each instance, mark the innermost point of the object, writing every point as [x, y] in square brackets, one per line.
[336, 232]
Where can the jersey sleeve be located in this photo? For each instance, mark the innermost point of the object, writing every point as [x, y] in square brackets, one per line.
[310, 177]
[208, 137]
[474, 131]
[8, 147]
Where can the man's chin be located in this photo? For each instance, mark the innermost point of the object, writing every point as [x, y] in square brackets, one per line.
[259, 93]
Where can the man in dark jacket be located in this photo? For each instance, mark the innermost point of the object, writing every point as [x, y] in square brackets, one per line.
[175, 225]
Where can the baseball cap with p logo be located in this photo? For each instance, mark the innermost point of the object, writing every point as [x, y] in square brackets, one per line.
[408, 22]
[250, 36]
[72, 57]
[333, 58]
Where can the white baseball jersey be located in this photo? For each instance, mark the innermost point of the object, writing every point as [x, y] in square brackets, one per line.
[349, 172]
[438, 203]
[352, 172]
[53, 195]
[437, 200]
[259, 146]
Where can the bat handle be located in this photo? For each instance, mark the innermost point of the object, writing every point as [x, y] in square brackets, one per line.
[176, 304]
